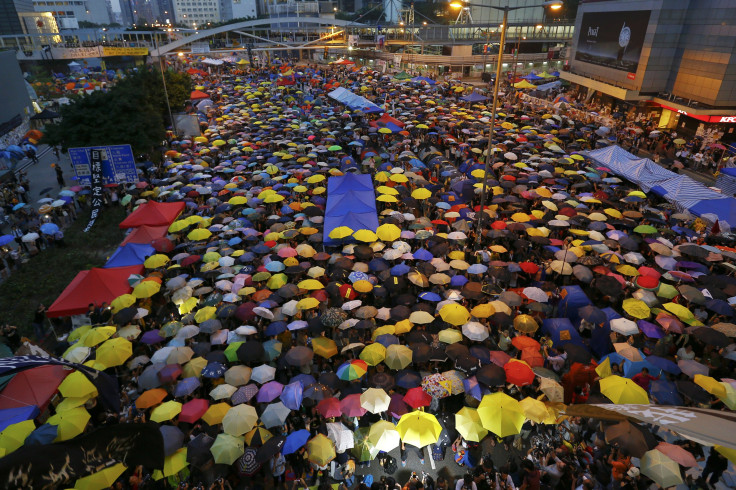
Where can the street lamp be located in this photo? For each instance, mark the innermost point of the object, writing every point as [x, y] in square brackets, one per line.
[491, 156]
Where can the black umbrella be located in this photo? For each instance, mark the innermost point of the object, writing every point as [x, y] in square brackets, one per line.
[248, 465]
[455, 351]
[250, 351]
[173, 438]
[577, 353]
[270, 449]
[198, 450]
[636, 439]
[491, 375]
[692, 391]
[711, 337]
[382, 380]
[125, 316]
[420, 352]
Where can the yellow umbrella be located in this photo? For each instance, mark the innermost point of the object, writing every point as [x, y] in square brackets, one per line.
[276, 281]
[421, 193]
[314, 179]
[525, 324]
[216, 413]
[76, 385]
[682, 313]
[450, 336]
[623, 391]
[114, 352]
[96, 336]
[310, 285]
[483, 310]
[174, 463]
[226, 448]
[552, 389]
[121, 302]
[399, 178]
[322, 346]
[238, 200]
[636, 308]
[156, 261]
[363, 286]
[455, 314]
[166, 411]
[627, 270]
[199, 234]
[240, 419]
[102, 479]
[307, 304]
[340, 232]
[711, 385]
[534, 410]
[146, 289]
[419, 428]
[204, 314]
[321, 450]
[728, 452]
[398, 356]
[78, 333]
[386, 198]
[373, 354]
[193, 368]
[468, 424]
[179, 225]
[604, 369]
[390, 191]
[384, 436]
[730, 398]
[69, 423]
[388, 232]
[366, 236]
[13, 436]
[501, 414]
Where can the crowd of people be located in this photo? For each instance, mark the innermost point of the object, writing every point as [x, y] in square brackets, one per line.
[276, 351]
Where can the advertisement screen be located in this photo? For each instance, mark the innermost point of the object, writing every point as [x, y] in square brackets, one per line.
[613, 39]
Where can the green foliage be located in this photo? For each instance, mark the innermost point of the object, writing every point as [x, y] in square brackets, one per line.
[133, 112]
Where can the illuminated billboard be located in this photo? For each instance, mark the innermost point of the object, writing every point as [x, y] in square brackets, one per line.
[613, 39]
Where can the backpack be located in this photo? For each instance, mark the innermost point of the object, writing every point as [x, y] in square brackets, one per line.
[389, 465]
[438, 452]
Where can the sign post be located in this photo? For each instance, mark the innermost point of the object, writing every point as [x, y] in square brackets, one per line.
[96, 158]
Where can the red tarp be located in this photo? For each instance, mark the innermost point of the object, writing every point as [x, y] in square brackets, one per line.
[194, 71]
[92, 286]
[33, 386]
[385, 119]
[146, 234]
[153, 213]
[196, 95]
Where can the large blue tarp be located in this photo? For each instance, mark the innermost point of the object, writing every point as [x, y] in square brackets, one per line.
[561, 331]
[679, 189]
[353, 101]
[130, 254]
[351, 202]
[573, 298]
[474, 97]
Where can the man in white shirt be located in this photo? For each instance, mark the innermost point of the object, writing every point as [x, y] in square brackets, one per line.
[685, 353]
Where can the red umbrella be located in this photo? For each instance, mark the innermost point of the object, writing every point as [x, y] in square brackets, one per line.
[193, 410]
[678, 454]
[192, 259]
[350, 406]
[499, 357]
[648, 271]
[647, 282]
[329, 407]
[532, 357]
[417, 397]
[347, 292]
[163, 245]
[519, 373]
[528, 267]
[499, 225]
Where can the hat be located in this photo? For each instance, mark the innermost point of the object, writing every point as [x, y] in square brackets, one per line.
[633, 472]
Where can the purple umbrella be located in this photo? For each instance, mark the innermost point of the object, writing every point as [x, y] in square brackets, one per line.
[186, 387]
[269, 391]
[291, 396]
[151, 337]
[650, 329]
[244, 394]
[303, 379]
[169, 373]
[397, 407]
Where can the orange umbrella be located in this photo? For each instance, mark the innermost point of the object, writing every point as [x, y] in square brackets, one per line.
[523, 342]
[150, 398]
[519, 373]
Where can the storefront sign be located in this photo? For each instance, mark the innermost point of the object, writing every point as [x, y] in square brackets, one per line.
[613, 39]
[95, 158]
[631, 76]
[76, 53]
[121, 51]
[704, 118]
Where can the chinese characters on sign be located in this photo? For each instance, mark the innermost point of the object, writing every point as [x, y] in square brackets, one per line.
[118, 164]
[96, 157]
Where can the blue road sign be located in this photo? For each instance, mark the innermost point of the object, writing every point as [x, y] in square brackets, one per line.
[118, 164]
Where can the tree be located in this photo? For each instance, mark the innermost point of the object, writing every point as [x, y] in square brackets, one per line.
[132, 112]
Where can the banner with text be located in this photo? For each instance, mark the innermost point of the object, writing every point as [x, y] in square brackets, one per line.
[95, 158]
[123, 51]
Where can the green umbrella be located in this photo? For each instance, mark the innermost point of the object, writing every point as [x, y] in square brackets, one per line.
[126, 199]
[645, 229]
[335, 148]
[232, 351]
[364, 450]
[667, 291]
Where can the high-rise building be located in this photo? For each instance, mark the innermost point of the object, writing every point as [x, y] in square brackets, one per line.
[10, 22]
[197, 13]
[238, 9]
[69, 13]
[127, 17]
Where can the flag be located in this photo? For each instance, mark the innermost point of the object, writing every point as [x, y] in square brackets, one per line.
[59, 465]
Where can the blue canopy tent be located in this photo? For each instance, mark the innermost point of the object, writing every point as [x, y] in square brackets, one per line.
[353, 101]
[351, 202]
[726, 181]
[474, 97]
[573, 298]
[533, 77]
[130, 254]
[561, 331]
[423, 79]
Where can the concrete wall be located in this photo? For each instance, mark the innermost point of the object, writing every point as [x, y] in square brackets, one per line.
[14, 99]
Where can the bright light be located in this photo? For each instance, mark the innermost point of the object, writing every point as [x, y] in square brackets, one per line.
[554, 5]
[457, 5]
[539, 26]
[180, 53]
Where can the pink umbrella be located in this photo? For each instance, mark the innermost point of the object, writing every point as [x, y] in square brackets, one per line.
[676, 453]
[499, 358]
[350, 406]
[193, 410]
[287, 252]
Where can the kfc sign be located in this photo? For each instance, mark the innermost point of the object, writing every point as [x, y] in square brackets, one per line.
[727, 119]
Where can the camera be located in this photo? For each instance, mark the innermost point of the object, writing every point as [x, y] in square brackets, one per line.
[414, 475]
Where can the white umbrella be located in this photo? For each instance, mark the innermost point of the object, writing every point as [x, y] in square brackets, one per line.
[29, 237]
[475, 331]
[341, 436]
[263, 374]
[536, 294]
[624, 326]
[510, 156]
[275, 415]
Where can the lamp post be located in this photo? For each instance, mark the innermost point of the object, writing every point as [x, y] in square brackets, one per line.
[490, 154]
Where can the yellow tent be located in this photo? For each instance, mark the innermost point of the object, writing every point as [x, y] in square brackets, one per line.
[524, 84]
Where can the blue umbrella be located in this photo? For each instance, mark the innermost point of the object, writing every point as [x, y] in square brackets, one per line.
[5, 239]
[214, 370]
[430, 296]
[665, 392]
[186, 387]
[19, 206]
[664, 364]
[400, 270]
[458, 281]
[303, 379]
[423, 254]
[356, 276]
[295, 441]
[477, 269]
[44, 434]
[408, 379]
[291, 395]
[275, 328]
[387, 339]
